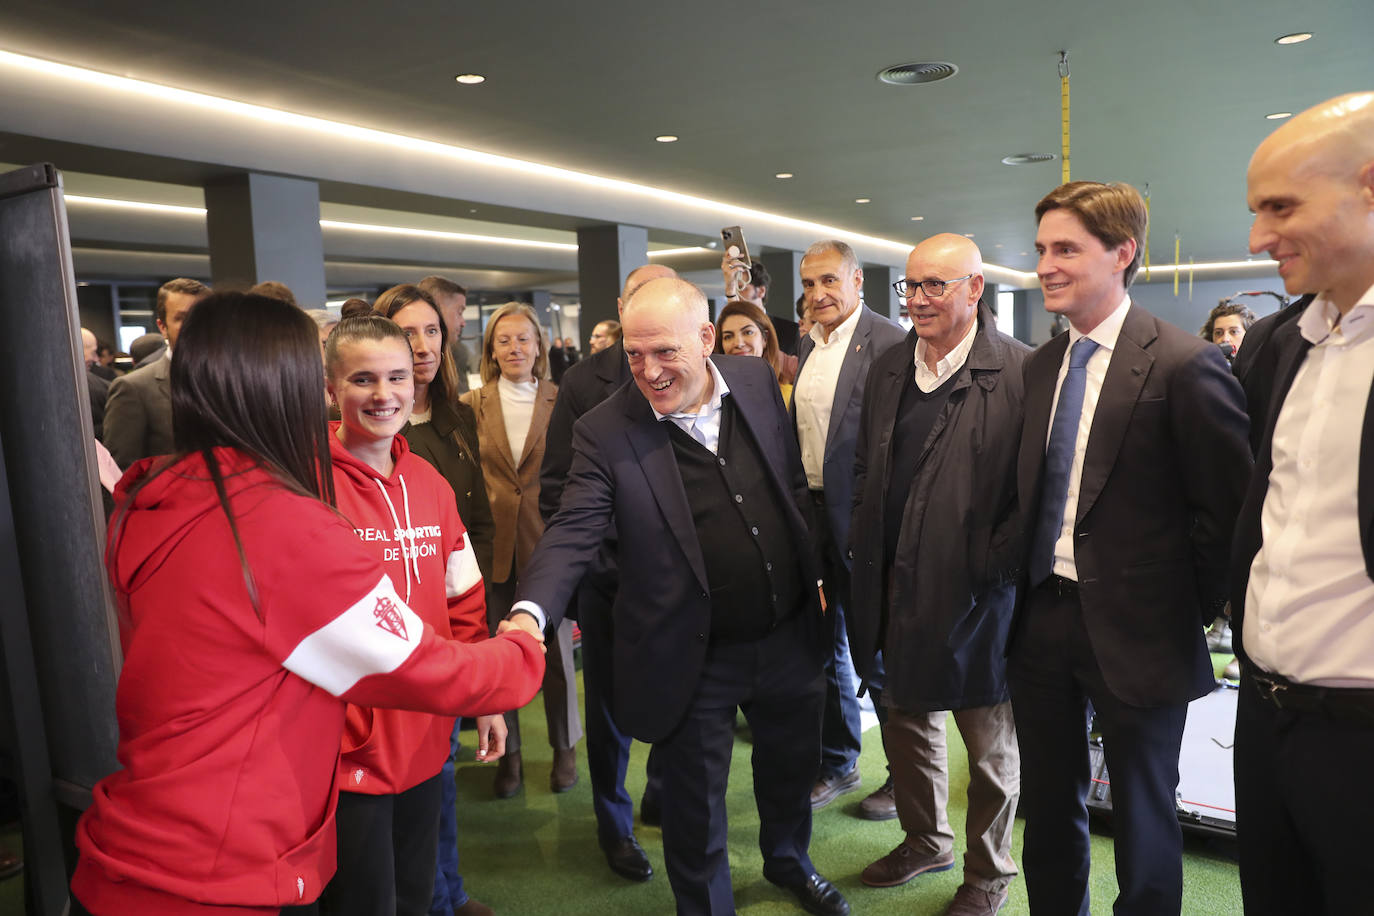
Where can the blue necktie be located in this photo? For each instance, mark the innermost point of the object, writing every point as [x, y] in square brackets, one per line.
[1054, 490]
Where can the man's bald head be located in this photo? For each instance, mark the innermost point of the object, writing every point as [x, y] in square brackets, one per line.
[1311, 187]
[638, 277]
[668, 337]
[954, 251]
[90, 347]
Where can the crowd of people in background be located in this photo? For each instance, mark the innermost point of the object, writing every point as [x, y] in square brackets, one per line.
[328, 544]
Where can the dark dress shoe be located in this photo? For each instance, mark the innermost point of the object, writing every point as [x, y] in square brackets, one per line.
[627, 859]
[817, 895]
[564, 774]
[510, 775]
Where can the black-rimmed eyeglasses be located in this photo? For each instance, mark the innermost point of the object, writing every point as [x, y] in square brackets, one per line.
[933, 289]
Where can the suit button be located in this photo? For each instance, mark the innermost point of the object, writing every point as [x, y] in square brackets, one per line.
[739, 498]
[701, 636]
[722, 461]
[703, 594]
[517, 491]
[754, 531]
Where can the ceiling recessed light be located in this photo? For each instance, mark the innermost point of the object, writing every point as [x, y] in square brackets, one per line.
[666, 138]
[917, 219]
[1278, 116]
[1027, 158]
[783, 175]
[998, 245]
[470, 79]
[914, 74]
[1023, 254]
[862, 200]
[968, 235]
[1292, 38]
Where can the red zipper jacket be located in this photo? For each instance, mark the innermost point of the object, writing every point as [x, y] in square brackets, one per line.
[230, 719]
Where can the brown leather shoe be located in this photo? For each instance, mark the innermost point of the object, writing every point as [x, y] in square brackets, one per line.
[829, 788]
[564, 775]
[510, 775]
[474, 907]
[901, 865]
[974, 901]
[881, 804]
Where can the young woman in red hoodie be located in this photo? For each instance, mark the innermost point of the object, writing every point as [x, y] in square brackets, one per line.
[250, 615]
[404, 511]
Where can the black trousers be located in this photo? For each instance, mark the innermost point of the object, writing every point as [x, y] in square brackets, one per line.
[387, 849]
[779, 686]
[1055, 681]
[1304, 805]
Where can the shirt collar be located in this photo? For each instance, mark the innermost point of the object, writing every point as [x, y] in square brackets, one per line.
[954, 358]
[1319, 319]
[1108, 329]
[841, 334]
[711, 406]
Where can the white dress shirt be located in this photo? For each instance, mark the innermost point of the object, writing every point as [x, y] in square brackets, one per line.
[703, 426]
[1104, 335]
[814, 394]
[947, 365]
[1309, 607]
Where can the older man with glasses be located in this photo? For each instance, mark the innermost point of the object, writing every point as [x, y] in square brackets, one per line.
[935, 540]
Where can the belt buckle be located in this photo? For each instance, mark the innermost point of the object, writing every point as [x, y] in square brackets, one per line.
[1272, 691]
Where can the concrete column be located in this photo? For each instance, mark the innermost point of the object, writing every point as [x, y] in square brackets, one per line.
[605, 256]
[262, 227]
[784, 270]
[878, 292]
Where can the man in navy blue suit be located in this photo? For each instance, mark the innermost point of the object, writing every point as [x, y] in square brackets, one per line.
[1133, 461]
[832, 373]
[718, 606]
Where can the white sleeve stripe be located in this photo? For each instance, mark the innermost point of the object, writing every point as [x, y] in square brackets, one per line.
[462, 573]
[374, 636]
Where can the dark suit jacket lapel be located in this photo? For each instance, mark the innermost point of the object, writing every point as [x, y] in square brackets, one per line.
[1126, 374]
[855, 359]
[615, 373]
[755, 410]
[1041, 375]
[649, 438]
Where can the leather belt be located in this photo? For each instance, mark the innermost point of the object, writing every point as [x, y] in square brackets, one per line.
[1058, 585]
[1348, 704]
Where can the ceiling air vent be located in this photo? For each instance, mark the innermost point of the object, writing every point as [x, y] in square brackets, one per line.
[922, 71]
[1027, 158]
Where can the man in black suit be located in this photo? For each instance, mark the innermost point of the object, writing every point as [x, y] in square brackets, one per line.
[832, 371]
[1303, 569]
[1132, 466]
[138, 412]
[586, 384]
[718, 606]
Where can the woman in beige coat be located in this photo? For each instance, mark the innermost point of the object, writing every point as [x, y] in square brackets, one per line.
[513, 407]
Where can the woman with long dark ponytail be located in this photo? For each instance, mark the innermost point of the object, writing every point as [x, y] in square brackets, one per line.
[249, 614]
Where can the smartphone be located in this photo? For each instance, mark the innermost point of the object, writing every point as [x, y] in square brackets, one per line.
[732, 239]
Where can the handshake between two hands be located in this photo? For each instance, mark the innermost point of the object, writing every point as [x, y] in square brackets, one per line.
[525, 622]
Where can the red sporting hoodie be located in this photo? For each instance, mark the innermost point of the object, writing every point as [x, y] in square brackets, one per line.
[410, 520]
[230, 719]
